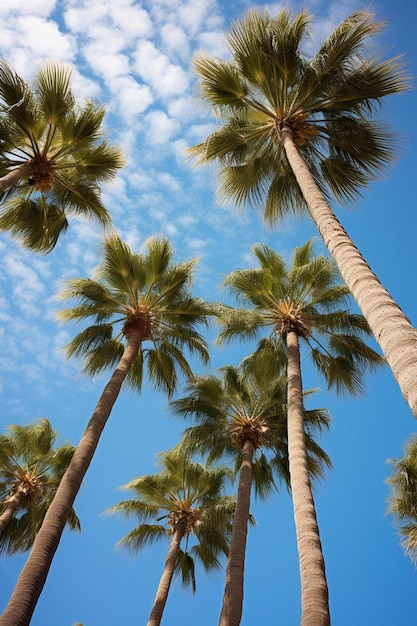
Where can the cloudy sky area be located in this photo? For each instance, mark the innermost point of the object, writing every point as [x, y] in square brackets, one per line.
[135, 58]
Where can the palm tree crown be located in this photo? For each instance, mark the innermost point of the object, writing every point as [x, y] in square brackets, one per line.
[53, 156]
[238, 406]
[146, 296]
[30, 471]
[184, 501]
[403, 497]
[326, 102]
[309, 299]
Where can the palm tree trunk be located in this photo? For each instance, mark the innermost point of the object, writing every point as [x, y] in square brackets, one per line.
[391, 328]
[14, 176]
[314, 591]
[231, 613]
[166, 578]
[33, 575]
[9, 512]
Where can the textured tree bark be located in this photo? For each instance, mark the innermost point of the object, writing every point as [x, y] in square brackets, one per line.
[166, 578]
[13, 177]
[9, 512]
[32, 578]
[391, 328]
[314, 591]
[231, 612]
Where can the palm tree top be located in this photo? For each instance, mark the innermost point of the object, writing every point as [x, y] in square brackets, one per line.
[32, 466]
[58, 151]
[308, 298]
[185, 493]
[146, 296]
[327, 102]
[239, 406]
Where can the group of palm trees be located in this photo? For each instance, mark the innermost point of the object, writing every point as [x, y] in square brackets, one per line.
[294, 132]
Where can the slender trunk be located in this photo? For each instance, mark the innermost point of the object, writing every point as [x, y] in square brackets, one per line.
[33, 575]
[231, 613]
[14, 176]
[314, 592]
[166, 578]
[9, 512]
[391, 328]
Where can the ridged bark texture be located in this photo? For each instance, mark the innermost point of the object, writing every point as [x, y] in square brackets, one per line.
[10, 510]
[166, 578]
[14, 176]
[314, 591]
[391, 328]
[33, 575]
[231, 613]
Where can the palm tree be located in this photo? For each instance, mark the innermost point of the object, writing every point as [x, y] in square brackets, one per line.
[297, 131]
[185, 499]
[53, 157]
[240, 416]
[144, 316]
[30, 472]
[403, 497]
[301, 304]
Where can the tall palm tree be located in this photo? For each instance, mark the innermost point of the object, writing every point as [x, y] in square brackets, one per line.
[53, 156]
[403, 497]
[242, 417]
[144, 316]
[298, 130]
[186, 500]
[30, 471]
[301, 304]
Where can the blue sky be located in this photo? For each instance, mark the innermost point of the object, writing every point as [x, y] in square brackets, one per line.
[135, 58]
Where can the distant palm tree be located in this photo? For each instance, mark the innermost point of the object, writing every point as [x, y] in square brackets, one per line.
[186, 499]
[53, 157]
[144, 316]
[241, 416]
[403, 497]
[304, 303]
[30, 472]
[298, 130]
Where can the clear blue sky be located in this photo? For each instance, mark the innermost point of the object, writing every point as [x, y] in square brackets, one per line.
[134, 57]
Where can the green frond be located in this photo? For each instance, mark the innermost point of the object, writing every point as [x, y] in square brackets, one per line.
[263, 477]
[90, 338]
[36, 223]
[142, 511]
[141, 536]
[101, 163]
[102, 357]
[16, 100]
[185, 568]
[221, 84]
[82, 126]
[402, 500]
[53, 91]
[81, 198]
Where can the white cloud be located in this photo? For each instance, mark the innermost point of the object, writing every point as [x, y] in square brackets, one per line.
[42, 8]
[133, 98]
[160, 128]
[166, 78]
[175, 40]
